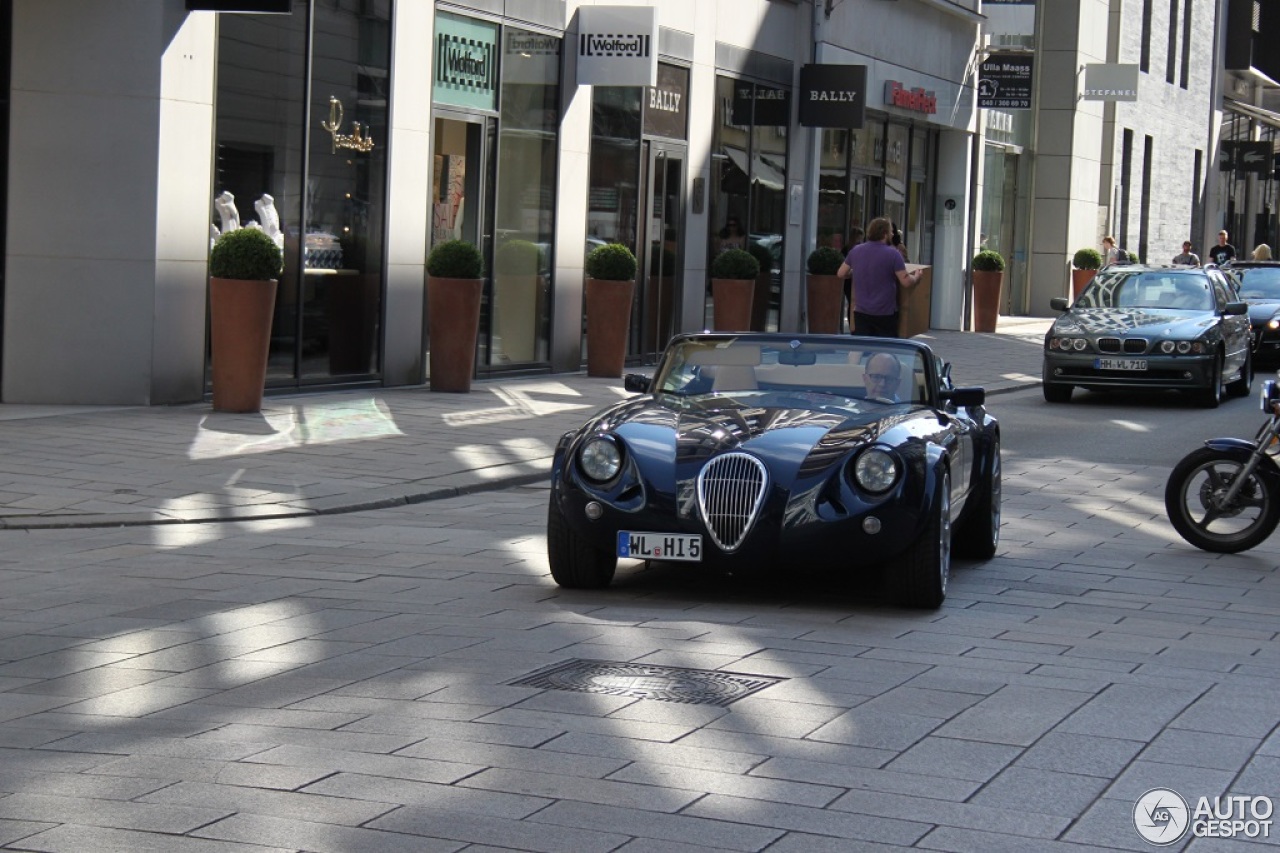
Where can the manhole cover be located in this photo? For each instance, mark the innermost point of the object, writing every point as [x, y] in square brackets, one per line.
[646, 681]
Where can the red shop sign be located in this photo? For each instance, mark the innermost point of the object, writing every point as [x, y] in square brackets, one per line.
[917, 100]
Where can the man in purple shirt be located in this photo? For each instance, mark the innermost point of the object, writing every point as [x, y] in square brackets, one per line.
[878, 271]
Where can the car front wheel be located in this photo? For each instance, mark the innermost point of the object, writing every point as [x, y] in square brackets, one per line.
[1054, 393]
[1211, 395]
[575, 562]
[922, 579]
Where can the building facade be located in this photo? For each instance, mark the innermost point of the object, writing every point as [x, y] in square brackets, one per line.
[360, 133]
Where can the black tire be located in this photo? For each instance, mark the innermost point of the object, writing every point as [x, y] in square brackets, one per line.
[575, 563]
[1211, 396]
[921, 579]
[978, 537]
[1244, 525]
[1242, 386]
[1055, 393]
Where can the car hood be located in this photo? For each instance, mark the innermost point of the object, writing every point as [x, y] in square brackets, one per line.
[1262, 310]
[1121, 321]
[792, 441]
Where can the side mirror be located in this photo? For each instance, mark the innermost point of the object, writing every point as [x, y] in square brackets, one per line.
[636, 383]
[967, 397]
[1235, 309]
[1059, 303]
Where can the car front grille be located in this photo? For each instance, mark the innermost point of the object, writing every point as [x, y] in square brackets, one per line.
[1127, 345]
[730, 493]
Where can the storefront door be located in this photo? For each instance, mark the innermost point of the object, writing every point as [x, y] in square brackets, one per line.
[461, 196]
[661, 265]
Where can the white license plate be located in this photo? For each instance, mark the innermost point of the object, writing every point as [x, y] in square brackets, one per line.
[682, 547]
[1120, 363]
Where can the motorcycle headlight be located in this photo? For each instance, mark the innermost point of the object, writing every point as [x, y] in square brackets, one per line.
[875, 470]
[600, 458]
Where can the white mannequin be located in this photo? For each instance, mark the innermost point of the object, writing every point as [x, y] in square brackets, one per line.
[214, 234]
[269, 218]
[226, 205]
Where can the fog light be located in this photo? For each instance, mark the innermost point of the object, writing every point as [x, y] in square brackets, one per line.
[871, 525]
[1057, 371]
[1186, 374]
[594, 510]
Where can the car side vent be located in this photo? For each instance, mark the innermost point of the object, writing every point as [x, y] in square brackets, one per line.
[731, 490]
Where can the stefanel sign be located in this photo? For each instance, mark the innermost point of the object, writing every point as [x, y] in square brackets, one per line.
[617, 46]
[917, 100]
[833, 95]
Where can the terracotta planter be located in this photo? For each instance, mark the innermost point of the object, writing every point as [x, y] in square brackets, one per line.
[731, 303]
[986, 299]
[608, 320]
[826, 296]
[515, 314]
[240, 315]
[453, 321]
[1080, 280]
[760, 301]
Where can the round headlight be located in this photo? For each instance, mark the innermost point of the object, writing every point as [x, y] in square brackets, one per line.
[1184, 347]
[600, 459]
[1167, 346]
[1273, 323]
[875, 470]
[1079, 344]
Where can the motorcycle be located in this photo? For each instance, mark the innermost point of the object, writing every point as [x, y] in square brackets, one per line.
[1225, 496]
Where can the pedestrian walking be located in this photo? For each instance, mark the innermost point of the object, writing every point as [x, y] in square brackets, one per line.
[1108, 250]
[1188, 258]
[1223, 251]
[878, 272]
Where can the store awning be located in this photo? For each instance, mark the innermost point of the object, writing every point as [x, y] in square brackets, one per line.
[1265, 116]
[763, 173]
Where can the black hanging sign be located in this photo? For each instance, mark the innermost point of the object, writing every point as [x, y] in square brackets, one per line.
[833, 95]
[1004, 83]
[1254, 157]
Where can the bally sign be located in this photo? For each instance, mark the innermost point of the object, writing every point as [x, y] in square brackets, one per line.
[916, 100]
[617, 46]
[833, 95]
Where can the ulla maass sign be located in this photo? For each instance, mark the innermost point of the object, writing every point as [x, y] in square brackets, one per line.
[617, 46]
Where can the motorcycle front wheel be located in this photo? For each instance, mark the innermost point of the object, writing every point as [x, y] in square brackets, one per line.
[1193, 500]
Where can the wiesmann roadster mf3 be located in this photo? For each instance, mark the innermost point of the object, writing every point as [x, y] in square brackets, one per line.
[764, 453]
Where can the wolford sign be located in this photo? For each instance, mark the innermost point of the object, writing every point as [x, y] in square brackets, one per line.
[617, 46]
[917, 100]
[833, 95]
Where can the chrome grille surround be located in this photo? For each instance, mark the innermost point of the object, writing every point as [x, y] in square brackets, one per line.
[731, 490]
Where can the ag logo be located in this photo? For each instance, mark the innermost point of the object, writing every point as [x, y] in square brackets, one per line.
[1160, 816]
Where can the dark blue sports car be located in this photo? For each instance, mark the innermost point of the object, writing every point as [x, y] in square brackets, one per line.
[765, 453]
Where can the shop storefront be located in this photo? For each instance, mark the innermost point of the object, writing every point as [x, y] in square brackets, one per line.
[748, 185]
[493, 174]
[638, 174]
[300, 151]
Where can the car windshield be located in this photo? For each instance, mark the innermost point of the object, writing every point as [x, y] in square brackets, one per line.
[1167, 289]
[885, 371]
[1259, 282]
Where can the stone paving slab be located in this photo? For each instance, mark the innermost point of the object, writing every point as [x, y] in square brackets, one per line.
[343, 451]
